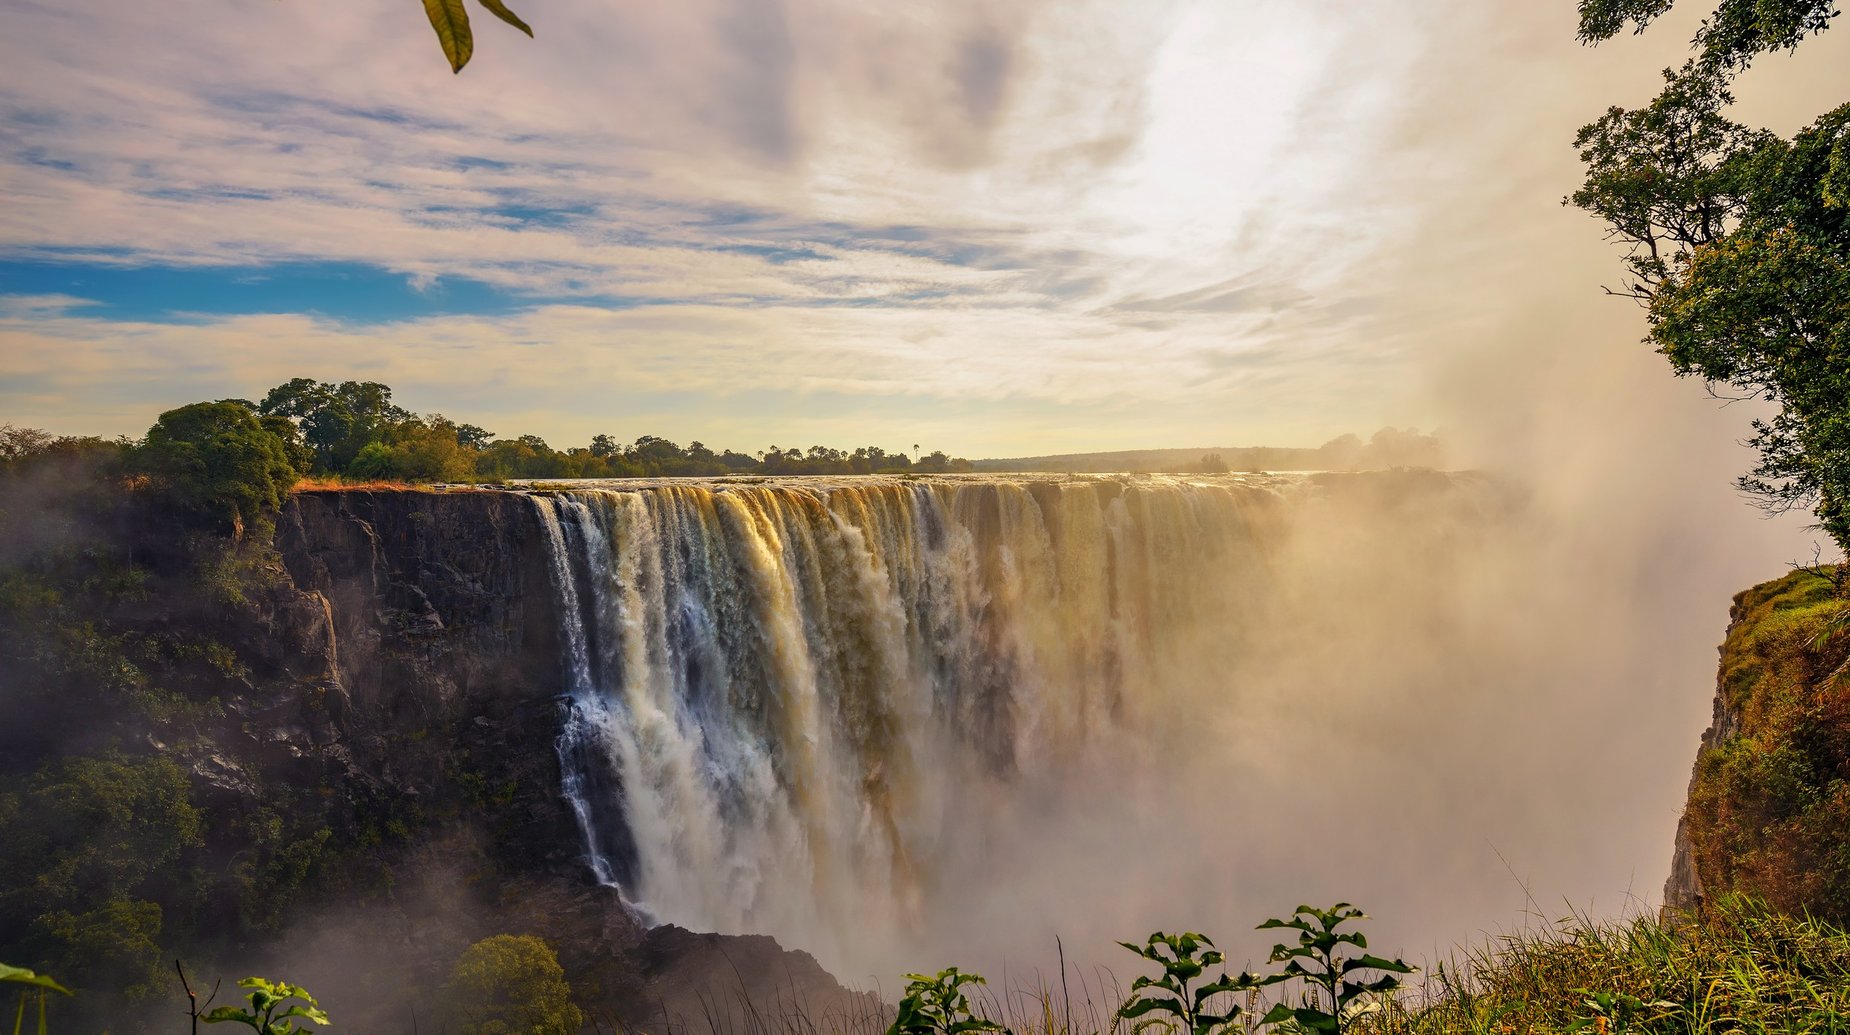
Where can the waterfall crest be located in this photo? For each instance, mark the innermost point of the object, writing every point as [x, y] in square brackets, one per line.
[791, 701]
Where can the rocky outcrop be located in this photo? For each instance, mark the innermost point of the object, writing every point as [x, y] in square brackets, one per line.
[432, 621]
[1683, 891]
[426, 627]
[699, 982]
[1768, 814]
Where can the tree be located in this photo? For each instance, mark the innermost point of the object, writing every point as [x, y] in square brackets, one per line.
[219, 462]
[511, 985]
[336, 421]
[1738, 242]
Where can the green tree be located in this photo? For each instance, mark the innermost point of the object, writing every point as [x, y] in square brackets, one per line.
[1738, 242]
[336, 420]
[89, 843]
[511, 985]
[219, 462]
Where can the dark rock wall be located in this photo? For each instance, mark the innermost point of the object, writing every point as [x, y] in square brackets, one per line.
[434, 618]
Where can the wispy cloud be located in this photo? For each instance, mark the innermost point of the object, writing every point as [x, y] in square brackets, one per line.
[972, 174]
[1248, 217]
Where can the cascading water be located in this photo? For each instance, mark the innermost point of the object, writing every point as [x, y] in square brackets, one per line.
[790, 702]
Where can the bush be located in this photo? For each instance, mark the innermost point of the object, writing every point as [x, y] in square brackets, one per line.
[511, 985]
[218, 462]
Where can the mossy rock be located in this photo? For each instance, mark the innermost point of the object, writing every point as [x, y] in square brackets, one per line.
[1769, 809]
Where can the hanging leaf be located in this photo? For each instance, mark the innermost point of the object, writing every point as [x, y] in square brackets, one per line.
[499, 10]
[22, 976]
[451, 20]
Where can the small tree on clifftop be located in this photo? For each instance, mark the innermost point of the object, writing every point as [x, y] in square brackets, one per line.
[1739, 242]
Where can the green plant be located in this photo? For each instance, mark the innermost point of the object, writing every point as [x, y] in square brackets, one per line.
[272, 1008]
[511, 985]
[1617, 1012]
[938, 1006]
[1339, 990]
[36, 986]
[1184, 958]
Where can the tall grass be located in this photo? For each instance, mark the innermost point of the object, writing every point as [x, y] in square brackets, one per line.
[1741, 968]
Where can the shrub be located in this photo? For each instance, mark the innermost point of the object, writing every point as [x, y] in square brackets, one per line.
[220, 463]
[511, 985]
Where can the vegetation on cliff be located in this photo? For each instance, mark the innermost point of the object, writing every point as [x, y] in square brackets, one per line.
[353, 430]
[1769, 806]
[176, 774]
[1744, 968]
[1738, 241]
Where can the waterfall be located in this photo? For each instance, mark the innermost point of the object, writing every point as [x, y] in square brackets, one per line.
[790, 701]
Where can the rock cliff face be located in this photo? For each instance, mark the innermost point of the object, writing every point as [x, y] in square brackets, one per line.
[436, 622]
[423, 631]
[1769, 799]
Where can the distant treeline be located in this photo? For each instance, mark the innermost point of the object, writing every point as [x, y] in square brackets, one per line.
[353, 430]
[1389, 447]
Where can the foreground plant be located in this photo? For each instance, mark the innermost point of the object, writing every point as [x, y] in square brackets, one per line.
[938, 1006]
[1184, 958]
[273, 1007]
[1340, 989]
[32, 986]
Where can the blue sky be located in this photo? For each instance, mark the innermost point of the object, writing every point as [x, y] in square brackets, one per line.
[998, 229]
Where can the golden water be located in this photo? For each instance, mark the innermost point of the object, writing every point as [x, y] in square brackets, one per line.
[792, 701]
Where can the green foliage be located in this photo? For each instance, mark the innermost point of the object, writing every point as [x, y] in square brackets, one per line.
[1619, 1012]
[94, 828]
[1769, 808]
[352, 430]
[511, 985]
[37, 986]
[274, 1008]
[1185, 959]
[90, 844]
[114, 945]
[1743, 968]
[1333, 964]
[1732, 36]
[450, 19]
[938, 1005]
[336, 421]
[218, 462]
[1739, 242]
[12, 975]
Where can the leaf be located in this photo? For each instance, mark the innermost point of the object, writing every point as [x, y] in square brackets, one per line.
[311, 1012]
[1143, 1006]
[1300, 925]
[1316, 1020]
[228, 1013]
[1366, 962]
[499, 10]
[22, 976]
[451, 20]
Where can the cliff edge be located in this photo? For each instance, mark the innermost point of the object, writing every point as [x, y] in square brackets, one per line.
[1769, 800]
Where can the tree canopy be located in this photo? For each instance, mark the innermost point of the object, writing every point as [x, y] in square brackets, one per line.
[1738, 242]
[221, 462]
[511, 985]
[353, 430]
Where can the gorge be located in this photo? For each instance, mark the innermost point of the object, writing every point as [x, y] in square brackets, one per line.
[891, 722]
[818, 708]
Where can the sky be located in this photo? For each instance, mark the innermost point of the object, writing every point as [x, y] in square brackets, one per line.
[991, 228]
